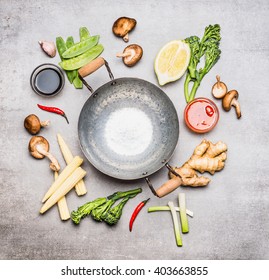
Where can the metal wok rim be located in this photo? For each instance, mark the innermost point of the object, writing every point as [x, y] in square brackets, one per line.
[146, 174]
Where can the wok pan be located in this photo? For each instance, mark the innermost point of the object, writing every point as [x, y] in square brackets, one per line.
[128, 128]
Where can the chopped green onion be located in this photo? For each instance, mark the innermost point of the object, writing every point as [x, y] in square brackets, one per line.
[166, 208]
[176, 223]
[183, 214]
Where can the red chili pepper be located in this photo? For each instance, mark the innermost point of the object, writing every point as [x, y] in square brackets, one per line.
[53, 110]
[209, 111]
[136, 211]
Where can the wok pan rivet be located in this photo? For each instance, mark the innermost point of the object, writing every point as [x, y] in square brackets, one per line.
[95, 95]
[145, 173]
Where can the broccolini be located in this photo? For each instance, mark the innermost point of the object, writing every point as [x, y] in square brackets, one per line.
[100, 208]
[208, 48]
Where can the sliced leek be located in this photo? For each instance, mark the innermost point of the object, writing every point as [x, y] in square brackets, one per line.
[183, 214]
[176, 223]
[166, 208]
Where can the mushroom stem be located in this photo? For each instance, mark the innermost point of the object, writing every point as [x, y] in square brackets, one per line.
[218, 81]
[126, 38]
[125, 54]
[236, 104]
[45, 123]
[54, 163]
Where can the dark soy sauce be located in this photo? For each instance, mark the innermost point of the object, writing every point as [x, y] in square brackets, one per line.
[48, 81]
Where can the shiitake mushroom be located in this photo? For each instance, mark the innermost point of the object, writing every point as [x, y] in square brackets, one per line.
[33, 125]
[122, 26]
[219, 89]
[131, 55]
[39, 148]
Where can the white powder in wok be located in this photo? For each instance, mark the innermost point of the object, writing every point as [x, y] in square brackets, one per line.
[128, 131]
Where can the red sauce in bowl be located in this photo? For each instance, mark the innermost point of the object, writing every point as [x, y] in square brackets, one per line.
[201, 115]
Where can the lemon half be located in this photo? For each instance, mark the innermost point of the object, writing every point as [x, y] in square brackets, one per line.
[172, 61]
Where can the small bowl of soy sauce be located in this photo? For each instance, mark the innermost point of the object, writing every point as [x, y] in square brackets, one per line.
[47, 80]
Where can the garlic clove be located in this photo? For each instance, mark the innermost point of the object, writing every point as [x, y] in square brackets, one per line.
[48, 47]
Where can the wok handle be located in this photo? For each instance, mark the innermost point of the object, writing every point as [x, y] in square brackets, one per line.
[168, 186]
[91, 67]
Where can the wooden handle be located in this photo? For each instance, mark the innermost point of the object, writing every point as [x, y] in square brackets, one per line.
[169, 186]
[91, 67]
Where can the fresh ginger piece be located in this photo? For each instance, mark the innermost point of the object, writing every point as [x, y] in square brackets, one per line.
[207, 157]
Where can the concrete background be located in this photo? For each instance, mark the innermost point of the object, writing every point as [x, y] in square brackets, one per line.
[231, 214]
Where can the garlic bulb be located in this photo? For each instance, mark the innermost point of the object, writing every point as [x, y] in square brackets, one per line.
[48, 47]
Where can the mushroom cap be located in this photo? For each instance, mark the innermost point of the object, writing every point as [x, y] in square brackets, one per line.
[228, 98]
[32, 124]
[38, 141]
[136, 53]
[123, 25]
[219, 89]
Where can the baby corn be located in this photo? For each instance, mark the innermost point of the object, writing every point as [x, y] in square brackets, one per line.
[63, 189]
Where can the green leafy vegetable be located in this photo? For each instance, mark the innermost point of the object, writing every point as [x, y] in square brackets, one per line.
[86, 209]
[112, 216]
[100, 209]
[208, 48]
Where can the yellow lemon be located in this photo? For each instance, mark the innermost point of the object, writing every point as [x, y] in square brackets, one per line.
[172, 61]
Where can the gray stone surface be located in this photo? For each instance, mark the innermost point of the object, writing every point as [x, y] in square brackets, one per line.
[231, 214]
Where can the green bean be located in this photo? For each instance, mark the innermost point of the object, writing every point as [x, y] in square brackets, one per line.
[69, 42]
[83, 59]
[61, 46]
[71, 75]
[81, 47]
[77, 81]
[84, 33]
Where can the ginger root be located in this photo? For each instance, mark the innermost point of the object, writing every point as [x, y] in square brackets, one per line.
[207, 157]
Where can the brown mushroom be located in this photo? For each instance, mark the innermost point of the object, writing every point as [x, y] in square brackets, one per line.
[229, 100]
[219, 89]
[33, 124]
[39, 148]
[131, 55]
[122, 26]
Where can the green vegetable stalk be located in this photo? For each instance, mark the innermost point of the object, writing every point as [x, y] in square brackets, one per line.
[208, 48]
[183, 214]
[100, 208]
[175, 223]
